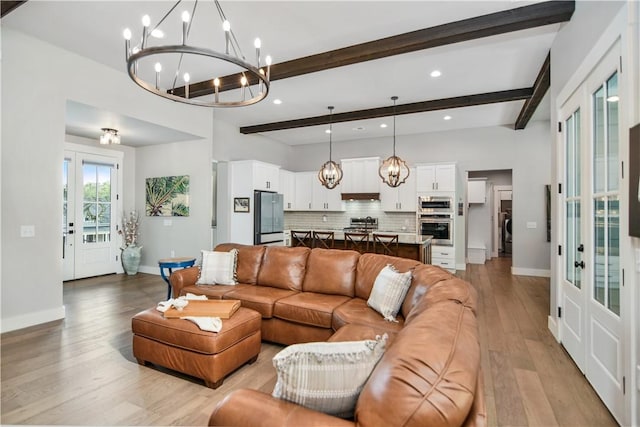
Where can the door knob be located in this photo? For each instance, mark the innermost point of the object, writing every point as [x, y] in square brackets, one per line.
[581, 248]
[579, 264]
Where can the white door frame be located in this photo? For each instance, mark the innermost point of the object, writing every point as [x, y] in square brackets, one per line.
[614, 32]
[117, 219]
[496, 217]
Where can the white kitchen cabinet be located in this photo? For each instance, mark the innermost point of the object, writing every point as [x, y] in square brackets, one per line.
[258, 175]
[324, 199]
[444, 256]
[304, 190]
[436, 178]
[265, 176]
[312, 196]
[360, 175]
[287, 184]
[400, 199]
[476, 191]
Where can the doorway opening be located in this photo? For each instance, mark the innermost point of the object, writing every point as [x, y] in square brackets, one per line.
[490, 214]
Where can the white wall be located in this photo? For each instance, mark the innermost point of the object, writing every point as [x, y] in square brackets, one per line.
[37, 80]
[526, 152]
[185, 236]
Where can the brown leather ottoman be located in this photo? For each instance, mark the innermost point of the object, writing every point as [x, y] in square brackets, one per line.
[182, 346]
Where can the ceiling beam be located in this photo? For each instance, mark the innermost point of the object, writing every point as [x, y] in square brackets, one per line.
[540, 88]
[415, 107]
[521, 18]
[7, 6]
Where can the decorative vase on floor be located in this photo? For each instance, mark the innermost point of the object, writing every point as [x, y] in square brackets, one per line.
[131, 259]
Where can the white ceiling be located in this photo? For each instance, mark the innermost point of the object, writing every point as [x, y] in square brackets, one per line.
[293, 29]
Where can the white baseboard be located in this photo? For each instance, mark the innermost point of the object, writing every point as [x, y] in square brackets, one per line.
[461, 266]
[149, 269]
[553, 327]
[32, 319]
[517, 271]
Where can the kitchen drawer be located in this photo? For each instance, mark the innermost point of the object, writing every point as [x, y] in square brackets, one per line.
[446, 263]
[447, 252]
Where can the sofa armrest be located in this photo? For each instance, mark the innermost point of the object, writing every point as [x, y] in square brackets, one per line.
[181, 278]
[252, 408]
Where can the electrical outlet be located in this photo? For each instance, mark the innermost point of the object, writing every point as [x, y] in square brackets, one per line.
[532, 224]
[167, 223]
[27, 230]
[173, 253]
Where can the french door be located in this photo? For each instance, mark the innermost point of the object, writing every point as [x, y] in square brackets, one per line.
[89, 215]
[591, 294]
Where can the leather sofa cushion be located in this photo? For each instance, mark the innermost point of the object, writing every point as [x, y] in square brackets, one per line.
[451, 290]
[184, 334]
[357, 312]
[331, 271]
[427, 388]
[249, 260]
[258, 298]
[423, 278]
[309, 308]
[211, 291]
[369, 265]
[353, 332]
[283, 267]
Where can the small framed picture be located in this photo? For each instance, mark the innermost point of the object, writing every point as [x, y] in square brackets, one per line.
[241, 204]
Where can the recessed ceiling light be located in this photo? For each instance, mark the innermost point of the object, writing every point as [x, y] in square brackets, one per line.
[358, 128]
[157, 33]
[383, 125]
[277, 101]
[447, 117]
[436, 73]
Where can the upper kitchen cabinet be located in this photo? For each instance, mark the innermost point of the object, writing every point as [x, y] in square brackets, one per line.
[324, 199]
[436, 178]
[304, 190]
[312, 196]
[360, 175]
[255, 175]
[400, 199]
[266, 176]
[287, 186]
[476, 191]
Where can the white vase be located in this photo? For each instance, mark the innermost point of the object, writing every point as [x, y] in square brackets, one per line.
[131, 259]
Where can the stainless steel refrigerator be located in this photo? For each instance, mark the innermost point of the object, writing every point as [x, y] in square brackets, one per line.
[268, 220]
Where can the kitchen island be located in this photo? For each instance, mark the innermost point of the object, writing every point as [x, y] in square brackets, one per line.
[410, 245]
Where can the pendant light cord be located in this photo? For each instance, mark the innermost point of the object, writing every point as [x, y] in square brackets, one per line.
[330, 130]
[394, 98]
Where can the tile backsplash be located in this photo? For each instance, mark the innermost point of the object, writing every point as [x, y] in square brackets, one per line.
[387, 221]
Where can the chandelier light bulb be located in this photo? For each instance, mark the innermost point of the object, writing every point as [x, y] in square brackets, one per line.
[185, 16]
[268, 60]
[186, 77]
[226, 26]
[257, 43]
[158, 67]
[243, 81]
[126, 34]
[216, 82]
[146, 20]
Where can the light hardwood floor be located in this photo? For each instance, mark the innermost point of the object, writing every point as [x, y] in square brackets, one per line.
[80, 371]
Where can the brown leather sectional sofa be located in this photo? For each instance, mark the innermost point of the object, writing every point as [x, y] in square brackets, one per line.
[430, 373]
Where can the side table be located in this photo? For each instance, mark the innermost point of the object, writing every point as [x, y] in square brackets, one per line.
[170, 264]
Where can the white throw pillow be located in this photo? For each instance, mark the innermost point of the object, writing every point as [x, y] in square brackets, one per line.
[389, 291]
[326, 376]
[218, 268]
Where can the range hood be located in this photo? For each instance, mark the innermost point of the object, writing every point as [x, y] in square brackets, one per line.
[360, 196]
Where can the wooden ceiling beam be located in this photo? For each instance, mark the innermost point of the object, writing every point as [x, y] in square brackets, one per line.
[540, 88]
[7, 6]
[415, 107]
[521, 18]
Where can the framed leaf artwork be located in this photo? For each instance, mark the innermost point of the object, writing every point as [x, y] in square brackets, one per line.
[167, 196]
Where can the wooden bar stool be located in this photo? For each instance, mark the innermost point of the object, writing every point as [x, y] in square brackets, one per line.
[323, 239]
[357, 241]
[301, 238]
[387, 244]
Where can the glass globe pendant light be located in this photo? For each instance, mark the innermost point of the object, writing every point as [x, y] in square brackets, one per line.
[394, 171]
[330, 173]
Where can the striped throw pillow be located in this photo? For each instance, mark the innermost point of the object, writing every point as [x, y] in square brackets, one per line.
[389, 291]
[218, 268]
[326, 376]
